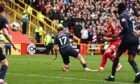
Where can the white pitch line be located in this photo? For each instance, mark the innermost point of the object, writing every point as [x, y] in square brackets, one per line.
[65, 78]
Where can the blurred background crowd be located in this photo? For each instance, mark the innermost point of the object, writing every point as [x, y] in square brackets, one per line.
[84, 18]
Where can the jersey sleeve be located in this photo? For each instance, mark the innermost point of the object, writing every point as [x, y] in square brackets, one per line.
[124, 24]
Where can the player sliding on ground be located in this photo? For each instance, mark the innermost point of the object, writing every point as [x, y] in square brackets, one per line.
[4, 29]
[63, 45]
[129, 42]
[108, 32]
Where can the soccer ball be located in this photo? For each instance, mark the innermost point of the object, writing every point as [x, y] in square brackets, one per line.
[15, 26]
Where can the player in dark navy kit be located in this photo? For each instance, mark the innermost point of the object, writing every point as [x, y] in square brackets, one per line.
[3, 28]
[129, 42]
[62, 42]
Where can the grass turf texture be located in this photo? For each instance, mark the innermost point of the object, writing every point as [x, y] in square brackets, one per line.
[44, 70]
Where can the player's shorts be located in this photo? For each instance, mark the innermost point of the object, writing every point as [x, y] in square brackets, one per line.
[132, 48]
[2, 56]
[114, 46]
[66, 52]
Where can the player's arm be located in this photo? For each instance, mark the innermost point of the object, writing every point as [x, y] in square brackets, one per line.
[5, 33]
[75, 37]
[137, 33]
[107, 38]
[124, 24]
[56, 48]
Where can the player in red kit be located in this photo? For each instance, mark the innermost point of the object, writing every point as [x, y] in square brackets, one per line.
[108, 33]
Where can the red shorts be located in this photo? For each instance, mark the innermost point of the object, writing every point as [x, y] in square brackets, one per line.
[114, 46]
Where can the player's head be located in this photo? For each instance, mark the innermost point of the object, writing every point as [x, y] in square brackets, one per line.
[121, 8]
[109, 19]
[60, 28]
[2, 7]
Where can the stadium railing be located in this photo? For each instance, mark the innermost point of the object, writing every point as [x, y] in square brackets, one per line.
[46, 19]
[36, 12]
[17, 11]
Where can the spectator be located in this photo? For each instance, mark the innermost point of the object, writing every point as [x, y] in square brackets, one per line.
[24, 22]
[7, 46]
[38, 31]
[90, 12]
[84, 35]
[49, 42]
[41, 17]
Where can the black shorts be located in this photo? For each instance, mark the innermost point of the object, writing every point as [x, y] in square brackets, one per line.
[132, 48]
[66, 52]
[2, 56]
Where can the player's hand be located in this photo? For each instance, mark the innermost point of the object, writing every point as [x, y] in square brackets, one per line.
[16, 49]
[136, 33]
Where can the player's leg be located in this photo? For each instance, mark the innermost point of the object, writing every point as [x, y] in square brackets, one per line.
[133, 63]
[122, 48]
[4, 66]
[109, 53]
[3, 70]
[135, 68]
[66, 67]
[66, 64]
[132, 53]
[77, 55]
[114, 66]
[103, 62]
[83, 62]
[66, 61]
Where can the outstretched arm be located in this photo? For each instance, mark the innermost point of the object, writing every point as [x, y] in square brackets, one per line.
[75, 37]
[5, 33]
[56, 48]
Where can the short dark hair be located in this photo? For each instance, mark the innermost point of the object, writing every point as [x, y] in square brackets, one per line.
[60, 28]
[121, 7]
[2, 6]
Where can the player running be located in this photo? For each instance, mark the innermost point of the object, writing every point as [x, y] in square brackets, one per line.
[3, 28]
[129, 42]
[66, 50]
[108, 32]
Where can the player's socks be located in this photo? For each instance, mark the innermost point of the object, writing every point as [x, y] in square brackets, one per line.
[3, 71]
[134, 66]
[84, 65]
[104, 60]
[115, 64]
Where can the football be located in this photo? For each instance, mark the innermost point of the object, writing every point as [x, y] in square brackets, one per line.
[15, 26]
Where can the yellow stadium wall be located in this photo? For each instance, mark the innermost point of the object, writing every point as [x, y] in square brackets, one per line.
[13, 52]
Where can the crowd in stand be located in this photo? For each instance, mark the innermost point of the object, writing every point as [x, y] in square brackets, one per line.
[83, 15]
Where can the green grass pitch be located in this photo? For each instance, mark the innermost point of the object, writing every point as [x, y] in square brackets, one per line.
[37, 69]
